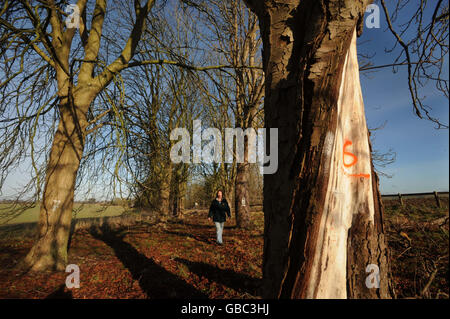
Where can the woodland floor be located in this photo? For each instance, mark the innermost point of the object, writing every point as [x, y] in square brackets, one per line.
[181, 259]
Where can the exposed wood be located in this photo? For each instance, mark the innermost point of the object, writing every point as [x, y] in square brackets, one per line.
[322, 208]
[349, 190]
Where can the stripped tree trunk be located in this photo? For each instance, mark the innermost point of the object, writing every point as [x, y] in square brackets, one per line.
[323, 214]
[350, 235]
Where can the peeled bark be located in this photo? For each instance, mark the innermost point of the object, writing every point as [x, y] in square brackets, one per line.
[323, 214]
[350, 234]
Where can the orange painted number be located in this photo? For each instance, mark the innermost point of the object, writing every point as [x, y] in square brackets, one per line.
[353, 161]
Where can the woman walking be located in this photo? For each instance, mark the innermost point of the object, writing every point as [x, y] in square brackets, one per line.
[218, 211]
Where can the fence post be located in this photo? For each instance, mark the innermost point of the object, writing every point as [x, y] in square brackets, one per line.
[400, 199]
[436, 196]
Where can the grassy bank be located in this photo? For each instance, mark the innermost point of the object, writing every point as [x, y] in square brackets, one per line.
[31, 215]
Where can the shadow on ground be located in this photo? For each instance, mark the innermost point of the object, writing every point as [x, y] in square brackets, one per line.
[201, 238]
[237, 281]
[153, 279]
[199, 226]
[60, 293]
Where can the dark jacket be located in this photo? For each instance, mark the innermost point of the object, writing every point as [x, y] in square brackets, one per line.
[218, 210]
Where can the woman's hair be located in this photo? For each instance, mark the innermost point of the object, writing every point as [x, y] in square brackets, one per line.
[217, 193]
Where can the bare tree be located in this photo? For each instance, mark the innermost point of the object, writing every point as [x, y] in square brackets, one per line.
[41, 67]
[233, 35]
[423, 53]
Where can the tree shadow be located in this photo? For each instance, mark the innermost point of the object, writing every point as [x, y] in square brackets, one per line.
[230, 278]
[71, 232]
[153, 279]
[201, 238]
[60, 293]
[200, 226]
[180, 222]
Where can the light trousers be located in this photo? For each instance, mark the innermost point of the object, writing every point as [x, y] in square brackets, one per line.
[219, 230]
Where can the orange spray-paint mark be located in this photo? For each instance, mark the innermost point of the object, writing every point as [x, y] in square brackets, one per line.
[353, 162]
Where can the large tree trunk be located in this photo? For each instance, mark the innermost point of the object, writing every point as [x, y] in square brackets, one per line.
[50, 249]
[55, 216]
[323, 214]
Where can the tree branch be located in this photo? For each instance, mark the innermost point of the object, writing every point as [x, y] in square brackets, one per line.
[128, 51]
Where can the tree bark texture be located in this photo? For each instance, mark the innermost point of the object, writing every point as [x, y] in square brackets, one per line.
[323, 214]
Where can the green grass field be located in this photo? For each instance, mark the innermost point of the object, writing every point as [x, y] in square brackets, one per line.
[80, 211]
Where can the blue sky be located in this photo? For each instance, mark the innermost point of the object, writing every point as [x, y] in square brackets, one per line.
[422, 163]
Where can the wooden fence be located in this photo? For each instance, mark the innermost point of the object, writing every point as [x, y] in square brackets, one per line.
[436, 195]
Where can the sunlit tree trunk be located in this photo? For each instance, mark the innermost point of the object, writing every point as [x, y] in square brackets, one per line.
[55, 215]
[323, 214]
[241, 200]
[249, 87]
[50, 249]
[166, 178]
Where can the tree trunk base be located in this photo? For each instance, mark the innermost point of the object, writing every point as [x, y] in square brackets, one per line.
[44, 256]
